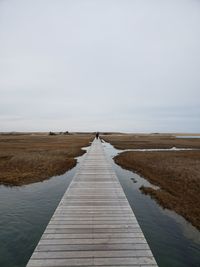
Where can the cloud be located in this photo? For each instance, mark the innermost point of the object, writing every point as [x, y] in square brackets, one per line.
[112, 65]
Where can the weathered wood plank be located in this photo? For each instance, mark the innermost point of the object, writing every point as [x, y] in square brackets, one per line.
[92, 230]
[68, 241]
[89, 247]
[138, 261]
[91, 253]
[92, 235]
[91, 218]
[89, 222]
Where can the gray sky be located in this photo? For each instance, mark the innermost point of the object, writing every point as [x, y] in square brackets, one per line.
[107, 65]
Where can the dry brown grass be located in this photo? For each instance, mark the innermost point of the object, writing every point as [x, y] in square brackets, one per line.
[132, 141]
[29, 158]
[177, 174]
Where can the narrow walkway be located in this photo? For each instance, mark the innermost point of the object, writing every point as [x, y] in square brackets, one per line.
[94, 224]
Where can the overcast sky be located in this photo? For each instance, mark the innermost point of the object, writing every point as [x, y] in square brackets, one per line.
[107, 65]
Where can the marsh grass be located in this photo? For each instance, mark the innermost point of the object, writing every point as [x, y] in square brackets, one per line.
[177, 173]
[134, 141]
[26, 159]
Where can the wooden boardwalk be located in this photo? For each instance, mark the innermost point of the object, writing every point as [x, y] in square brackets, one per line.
[94, 224]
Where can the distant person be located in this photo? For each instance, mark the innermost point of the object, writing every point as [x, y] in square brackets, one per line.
[97, 135]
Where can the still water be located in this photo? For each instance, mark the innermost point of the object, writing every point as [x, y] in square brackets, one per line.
[25, 211]
[188, 136]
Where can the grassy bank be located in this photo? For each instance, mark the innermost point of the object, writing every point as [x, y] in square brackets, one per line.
[177, 173]
[134, 141]
[29, 158]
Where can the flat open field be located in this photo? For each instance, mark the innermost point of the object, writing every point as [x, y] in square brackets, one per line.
[29, 158]
[177, 173]
[134, 141]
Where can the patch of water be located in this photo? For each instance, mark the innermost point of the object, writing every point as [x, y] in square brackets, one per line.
[24, 214]
[173, 240]
[154, 149]
[188, 136]
[161, 149]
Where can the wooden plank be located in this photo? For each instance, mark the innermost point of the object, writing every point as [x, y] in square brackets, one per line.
[91, 253]
[89, 247]
[103, 227]
[92, 230]
[92, 235]
[68, 241]
[94, 224]
[91, 218]
[138, 261]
